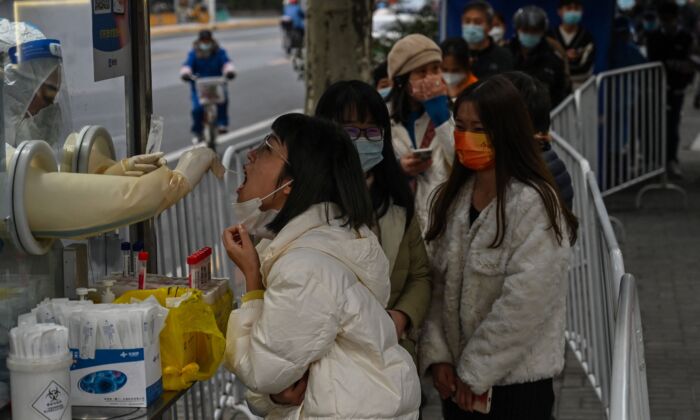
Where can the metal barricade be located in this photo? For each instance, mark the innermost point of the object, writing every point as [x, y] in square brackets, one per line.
[565, 121]
[594, 280]
[194, 222]
[617, 121]
[629, 386]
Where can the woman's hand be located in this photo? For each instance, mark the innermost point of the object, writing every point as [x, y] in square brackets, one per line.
[464, 398]
[242, 252]
[294, 395]
[444, 379]
[400, 322]
[427, 88]
[414, 166]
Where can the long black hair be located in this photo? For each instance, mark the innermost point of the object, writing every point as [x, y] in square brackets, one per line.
[516, 157]
[325, 167]
[359, 99]
[400, 99]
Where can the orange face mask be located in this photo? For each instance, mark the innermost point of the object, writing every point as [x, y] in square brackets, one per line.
[473, 150]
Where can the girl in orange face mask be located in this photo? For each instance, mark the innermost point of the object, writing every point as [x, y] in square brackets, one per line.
[499, 239]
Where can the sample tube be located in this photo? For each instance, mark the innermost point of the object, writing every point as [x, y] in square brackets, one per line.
[126, 259]
[195, 270]
[135, 249]
[143, 262]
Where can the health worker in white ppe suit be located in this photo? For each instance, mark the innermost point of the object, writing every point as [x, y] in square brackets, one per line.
[75, 205]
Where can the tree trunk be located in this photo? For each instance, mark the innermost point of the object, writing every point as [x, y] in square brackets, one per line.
[338, 35]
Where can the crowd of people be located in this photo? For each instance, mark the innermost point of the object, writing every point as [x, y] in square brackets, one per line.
[418, 226]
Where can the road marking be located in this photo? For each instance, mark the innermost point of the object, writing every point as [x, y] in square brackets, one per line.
[695, 147]
[232, 136]
[278, 62]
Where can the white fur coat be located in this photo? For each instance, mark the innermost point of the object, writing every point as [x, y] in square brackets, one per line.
[498, 315]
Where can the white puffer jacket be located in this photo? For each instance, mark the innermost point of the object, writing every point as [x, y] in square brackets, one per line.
[323, 311]
[443, 156]
[498, 315]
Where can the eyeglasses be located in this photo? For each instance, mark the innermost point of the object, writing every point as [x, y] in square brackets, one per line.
[266, 147]
[371, 133]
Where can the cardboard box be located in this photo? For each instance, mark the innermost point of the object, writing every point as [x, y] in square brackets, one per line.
[117, 378]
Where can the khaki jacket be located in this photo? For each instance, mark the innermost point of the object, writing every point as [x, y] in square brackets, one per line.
[410, 271]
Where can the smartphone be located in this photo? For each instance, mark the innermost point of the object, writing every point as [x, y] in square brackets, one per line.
[423, 154]
[482, 403]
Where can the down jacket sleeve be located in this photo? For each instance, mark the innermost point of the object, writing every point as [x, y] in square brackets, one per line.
[536, 276]
[415, 298]
[272, 341]
[433, 343]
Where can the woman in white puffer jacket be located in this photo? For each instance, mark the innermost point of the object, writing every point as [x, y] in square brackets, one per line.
[313, 322]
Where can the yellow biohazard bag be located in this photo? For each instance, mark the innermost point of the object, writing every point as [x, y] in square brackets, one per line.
[191, 344]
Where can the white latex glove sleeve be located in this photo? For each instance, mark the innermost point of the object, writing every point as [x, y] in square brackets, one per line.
[67, 205]
[136, 165]
[195, 162]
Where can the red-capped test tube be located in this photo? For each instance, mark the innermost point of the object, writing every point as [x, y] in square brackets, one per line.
[199, 264]
[143, 262]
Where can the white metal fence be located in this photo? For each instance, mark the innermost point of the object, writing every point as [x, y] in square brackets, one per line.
[617, 121]
[629, 387]
[594, 319]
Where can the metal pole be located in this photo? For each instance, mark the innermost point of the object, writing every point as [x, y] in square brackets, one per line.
[212, 12]
[139, 107]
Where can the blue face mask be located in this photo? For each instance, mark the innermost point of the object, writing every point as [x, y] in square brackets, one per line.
[529, 40]
[473, 34]
[572, 17]
[625, 4]
[650, 25]
[385, 92]
[370, 152]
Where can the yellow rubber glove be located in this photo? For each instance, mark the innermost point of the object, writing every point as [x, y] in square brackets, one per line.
[138, 165]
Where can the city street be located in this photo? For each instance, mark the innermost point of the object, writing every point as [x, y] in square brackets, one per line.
[266, 85]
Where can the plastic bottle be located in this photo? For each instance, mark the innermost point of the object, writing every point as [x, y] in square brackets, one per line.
[126, 259]
[107, 294]
[82, 292]
[143, 262]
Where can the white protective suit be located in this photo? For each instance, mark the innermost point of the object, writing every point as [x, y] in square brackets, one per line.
[30, 63]
[323, 311]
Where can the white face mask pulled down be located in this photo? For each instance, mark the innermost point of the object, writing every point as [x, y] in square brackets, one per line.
[255, 221]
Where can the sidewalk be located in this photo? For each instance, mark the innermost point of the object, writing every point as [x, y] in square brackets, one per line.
[662, 250]
[234, 23]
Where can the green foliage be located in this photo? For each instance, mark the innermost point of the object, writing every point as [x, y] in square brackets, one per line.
[426, 23]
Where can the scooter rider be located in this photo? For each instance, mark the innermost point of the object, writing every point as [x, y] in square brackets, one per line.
[207, 59]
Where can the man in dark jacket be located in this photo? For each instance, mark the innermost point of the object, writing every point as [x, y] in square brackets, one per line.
[536, 98]
[671, 45]
[577, 41]
[488, 58]
[533, 54]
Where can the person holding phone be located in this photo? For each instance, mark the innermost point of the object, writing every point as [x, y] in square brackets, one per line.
[499, 237]
[422, 124]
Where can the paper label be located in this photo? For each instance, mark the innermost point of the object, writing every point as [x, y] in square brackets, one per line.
[52, 402]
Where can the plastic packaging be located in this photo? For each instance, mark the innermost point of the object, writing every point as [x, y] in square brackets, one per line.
[143, 261]
[126, 259]
[192, 344]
